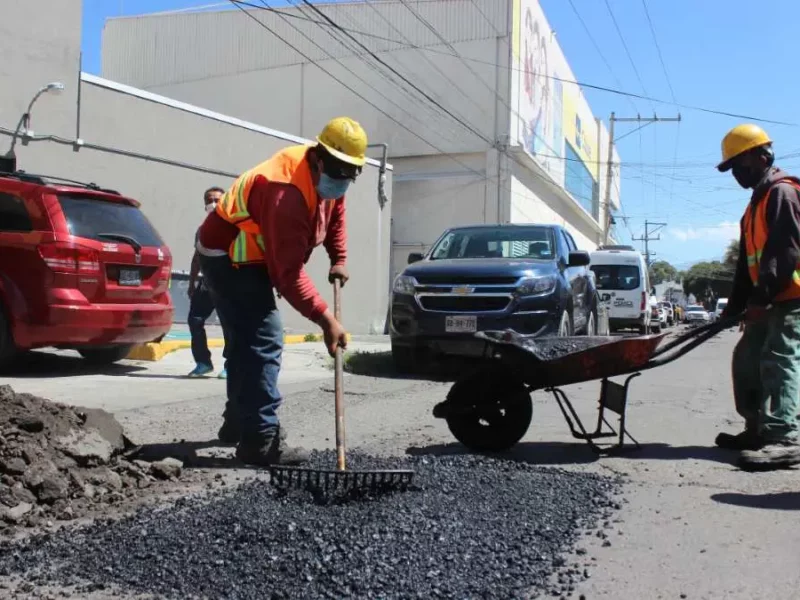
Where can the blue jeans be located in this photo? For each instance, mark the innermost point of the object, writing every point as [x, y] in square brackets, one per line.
[200, 308]
[245, 302]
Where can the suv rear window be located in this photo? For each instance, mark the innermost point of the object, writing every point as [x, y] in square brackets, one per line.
[616, 277]
[89, 217]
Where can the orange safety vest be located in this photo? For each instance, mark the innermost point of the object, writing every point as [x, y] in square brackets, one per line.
[286, 166]
[755, 233]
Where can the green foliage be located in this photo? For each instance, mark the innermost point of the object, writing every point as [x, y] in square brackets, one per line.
[310, 337]
[661, 271]
[708, 281]
[731, 254]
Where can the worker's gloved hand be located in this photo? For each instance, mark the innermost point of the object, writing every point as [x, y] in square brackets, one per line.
[333, 333]
[338, 272]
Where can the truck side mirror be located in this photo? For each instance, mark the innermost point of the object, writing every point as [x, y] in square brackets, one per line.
[415, 257]
[579, 259]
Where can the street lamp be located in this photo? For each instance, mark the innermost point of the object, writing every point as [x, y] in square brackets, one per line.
[55, 87]
[8, 161]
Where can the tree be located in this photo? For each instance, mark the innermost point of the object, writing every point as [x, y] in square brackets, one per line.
[661, 271]
[708, 281]
[731, 254]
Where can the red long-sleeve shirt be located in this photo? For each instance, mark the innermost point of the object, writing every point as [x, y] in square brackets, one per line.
[290, 236]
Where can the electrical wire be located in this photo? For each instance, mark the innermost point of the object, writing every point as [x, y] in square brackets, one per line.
[625, 46]
[658, 49]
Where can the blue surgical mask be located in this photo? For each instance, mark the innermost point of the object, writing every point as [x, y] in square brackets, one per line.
[329, 188]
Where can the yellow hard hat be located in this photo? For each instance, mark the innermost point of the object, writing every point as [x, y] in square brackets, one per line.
[345, 139]
[740, 139]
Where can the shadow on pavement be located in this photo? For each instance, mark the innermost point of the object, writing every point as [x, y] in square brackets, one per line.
[381, 364]
[45, 364]
[186, 452]
[777, 501]
[533, 453]
[667, 452]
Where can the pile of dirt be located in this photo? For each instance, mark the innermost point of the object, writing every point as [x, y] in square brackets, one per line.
[59, 462]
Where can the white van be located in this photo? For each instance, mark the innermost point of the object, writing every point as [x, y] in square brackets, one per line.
[722, 303]
[623, 286]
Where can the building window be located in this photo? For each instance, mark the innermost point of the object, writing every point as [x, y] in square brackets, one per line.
[578, 181]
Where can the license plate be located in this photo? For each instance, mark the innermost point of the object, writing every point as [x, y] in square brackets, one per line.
[461, 324]
[129, 277]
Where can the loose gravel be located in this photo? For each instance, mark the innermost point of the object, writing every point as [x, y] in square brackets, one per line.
[549, 349]
[475, 527]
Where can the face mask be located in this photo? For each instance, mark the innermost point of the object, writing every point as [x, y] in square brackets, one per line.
[746, 176]
[211, 207]
[329, 188]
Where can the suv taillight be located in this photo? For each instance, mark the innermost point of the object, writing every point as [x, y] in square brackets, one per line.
[69, 258]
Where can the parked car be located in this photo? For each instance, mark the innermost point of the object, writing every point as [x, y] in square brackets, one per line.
[622, 285]
[697, 315]
[529, 278]
[669, 313]
[656, 323]
[82, 268]
[720, 306]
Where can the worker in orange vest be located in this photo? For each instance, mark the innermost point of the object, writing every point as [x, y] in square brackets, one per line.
[766, 361]
[269, 222]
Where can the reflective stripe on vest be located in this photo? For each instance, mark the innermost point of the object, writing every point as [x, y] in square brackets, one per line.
[755, 233]
[286, 166]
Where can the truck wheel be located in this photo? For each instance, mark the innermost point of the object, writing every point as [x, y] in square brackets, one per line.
[591, 324]
[105, 356]
[405, 359]
[8, 349]
[490, 410]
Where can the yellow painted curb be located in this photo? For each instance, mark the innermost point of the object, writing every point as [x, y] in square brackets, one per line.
[156, 351]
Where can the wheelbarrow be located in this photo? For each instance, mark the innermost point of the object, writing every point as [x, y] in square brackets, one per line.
[490, 409]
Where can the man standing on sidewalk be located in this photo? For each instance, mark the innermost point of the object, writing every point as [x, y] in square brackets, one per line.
[766, 361]
[200, 303]
[269, 223]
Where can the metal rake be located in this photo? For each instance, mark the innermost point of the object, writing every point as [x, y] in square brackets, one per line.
[340, 480]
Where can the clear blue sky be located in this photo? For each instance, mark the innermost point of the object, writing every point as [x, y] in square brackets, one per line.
[719, 54]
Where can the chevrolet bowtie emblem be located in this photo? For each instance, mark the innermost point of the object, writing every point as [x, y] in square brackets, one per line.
[463, 290]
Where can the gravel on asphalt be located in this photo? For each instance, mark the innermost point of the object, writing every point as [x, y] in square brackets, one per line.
[553, 348]
[474, 527]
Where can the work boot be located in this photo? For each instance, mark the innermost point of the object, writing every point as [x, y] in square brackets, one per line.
[271, 452]
[772, 455]
[201, 370]
[745, 440]
[229, 433]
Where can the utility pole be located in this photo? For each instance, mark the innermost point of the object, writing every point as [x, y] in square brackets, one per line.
[644, 122]
[648, 237]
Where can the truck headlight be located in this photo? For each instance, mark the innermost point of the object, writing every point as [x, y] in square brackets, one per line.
[535, 286]
[404, 284]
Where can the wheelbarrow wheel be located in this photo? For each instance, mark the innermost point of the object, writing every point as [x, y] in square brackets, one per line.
[492, 410]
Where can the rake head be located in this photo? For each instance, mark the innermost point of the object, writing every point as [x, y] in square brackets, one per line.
[338, 482]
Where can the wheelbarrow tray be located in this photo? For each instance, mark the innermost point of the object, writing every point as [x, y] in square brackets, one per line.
[559, 361]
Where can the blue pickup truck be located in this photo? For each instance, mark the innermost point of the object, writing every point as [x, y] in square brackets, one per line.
[529, 278]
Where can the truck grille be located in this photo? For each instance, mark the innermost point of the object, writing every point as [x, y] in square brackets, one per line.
[465, 280]
[464, 303]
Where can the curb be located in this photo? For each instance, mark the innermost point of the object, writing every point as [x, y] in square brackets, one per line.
[153, 352]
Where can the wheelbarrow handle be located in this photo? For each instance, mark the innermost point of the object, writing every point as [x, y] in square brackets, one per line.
[338, 387]
[695, 337]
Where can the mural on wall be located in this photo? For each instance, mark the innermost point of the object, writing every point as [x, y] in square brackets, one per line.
[540, 94]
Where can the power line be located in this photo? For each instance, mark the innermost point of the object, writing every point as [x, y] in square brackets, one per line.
[658, 49]
[625, 46]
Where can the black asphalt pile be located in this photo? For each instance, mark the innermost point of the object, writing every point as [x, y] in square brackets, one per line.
[476, 528]
[59, 462]
[549, 349]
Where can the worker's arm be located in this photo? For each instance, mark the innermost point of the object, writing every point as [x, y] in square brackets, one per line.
[742, 284]
[281, 212]
[336, 237]
[194, 271]
[781, 253]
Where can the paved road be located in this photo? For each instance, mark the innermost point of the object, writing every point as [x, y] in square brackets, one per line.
[693, 526]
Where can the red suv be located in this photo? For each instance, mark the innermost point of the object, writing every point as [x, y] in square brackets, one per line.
[80, 267]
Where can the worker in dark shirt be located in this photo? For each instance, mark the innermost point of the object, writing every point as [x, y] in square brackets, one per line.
[766, 361]
[200, 303]
[269, 222]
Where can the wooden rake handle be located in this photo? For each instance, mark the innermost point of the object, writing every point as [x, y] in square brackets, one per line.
[339, 380]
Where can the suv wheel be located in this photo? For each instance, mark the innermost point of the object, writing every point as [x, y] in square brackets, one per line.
[405, 359]
[8, 349]
[565, 327]
[105, 356]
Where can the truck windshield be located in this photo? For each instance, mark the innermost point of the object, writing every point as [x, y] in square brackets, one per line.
[529, 243]
[616, 277]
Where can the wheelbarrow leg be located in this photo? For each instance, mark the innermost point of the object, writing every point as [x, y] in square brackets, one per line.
[580, 433]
